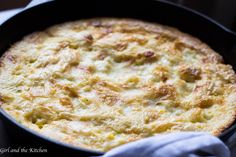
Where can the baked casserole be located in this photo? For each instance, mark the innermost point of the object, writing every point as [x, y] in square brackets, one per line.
[104, 82]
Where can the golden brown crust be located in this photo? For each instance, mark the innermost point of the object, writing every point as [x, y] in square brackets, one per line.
[225, 126]
[100, 83]
[166, 30]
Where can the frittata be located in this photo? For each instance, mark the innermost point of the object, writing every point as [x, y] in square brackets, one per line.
[100, 83]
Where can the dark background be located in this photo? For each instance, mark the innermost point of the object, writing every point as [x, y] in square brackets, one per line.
[223, 11]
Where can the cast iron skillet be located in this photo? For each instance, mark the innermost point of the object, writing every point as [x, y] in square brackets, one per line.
[40, 17]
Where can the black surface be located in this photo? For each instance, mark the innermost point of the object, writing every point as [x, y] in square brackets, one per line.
[223, 11]
[12, 4]
[40, 17]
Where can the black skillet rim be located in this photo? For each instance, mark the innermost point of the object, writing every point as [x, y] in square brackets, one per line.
[223, 136]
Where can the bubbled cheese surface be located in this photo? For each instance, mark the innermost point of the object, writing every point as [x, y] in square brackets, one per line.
[101, 83]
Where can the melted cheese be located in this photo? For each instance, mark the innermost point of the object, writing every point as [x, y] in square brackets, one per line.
[101, 83]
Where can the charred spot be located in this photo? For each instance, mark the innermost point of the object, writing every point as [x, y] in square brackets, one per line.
[71, 91]
[144, 57]
[161, 73]
[164, 78]
[149, 54]
[137, 58]
[89, 38]
[163, 92]
[11, 58]
[121, 46]
[190, 74]
[205, 103]
[102, 55]
[179, 46]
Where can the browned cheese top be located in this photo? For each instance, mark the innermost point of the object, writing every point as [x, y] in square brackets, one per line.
[100, 83]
